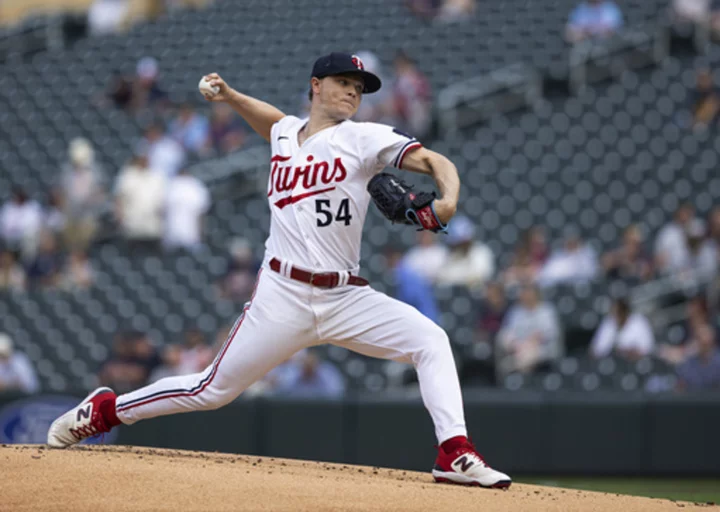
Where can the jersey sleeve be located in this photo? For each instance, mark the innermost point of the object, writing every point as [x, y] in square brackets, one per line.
[385, 146]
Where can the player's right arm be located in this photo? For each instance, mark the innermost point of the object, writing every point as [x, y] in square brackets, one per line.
[259, 115]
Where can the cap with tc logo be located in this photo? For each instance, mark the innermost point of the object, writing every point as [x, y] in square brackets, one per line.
[340, 63]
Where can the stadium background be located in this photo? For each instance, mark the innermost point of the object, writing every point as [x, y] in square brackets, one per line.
[588, 140]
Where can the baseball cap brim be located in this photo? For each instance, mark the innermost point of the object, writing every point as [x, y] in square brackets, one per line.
[371, 82]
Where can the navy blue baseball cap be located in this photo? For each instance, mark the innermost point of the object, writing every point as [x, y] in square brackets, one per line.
[340, 63]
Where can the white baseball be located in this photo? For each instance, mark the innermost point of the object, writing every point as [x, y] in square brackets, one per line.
[206, 89]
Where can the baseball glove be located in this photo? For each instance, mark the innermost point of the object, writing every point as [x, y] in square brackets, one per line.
[395, 199]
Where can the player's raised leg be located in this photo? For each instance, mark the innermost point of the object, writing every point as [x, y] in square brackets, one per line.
[274, 325]
[371, 323]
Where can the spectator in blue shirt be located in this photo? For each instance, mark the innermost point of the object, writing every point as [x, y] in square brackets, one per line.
[191, 130]
[701, 372]
[593, 19]
[411, 287]
[309, 377]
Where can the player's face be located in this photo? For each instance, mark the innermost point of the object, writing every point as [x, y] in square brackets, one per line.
[341, 95]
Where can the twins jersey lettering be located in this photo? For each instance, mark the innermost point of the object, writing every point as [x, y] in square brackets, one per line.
[317, 191]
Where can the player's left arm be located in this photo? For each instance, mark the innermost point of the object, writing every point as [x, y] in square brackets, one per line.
[443, 171]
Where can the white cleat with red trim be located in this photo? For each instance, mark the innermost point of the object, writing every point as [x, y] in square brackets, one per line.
[85, 420]
[465, 466]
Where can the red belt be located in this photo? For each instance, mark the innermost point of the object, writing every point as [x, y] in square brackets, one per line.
[319, 279]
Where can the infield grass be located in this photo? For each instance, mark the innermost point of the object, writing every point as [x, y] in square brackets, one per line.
[700, 490]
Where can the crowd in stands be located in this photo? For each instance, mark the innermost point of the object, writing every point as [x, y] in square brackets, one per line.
[526, 334]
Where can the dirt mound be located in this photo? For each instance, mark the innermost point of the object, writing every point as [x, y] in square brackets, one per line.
[119, 478]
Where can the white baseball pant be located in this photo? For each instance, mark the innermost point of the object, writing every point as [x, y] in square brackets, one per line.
[283, 317]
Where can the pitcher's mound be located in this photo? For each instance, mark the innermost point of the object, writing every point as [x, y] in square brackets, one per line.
[122, 478]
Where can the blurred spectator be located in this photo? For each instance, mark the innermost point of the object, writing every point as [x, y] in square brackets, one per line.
[44, 269]
[16, 370]
[705, 100]
[20, 223]
[119, 92]
[12, 274]
[78, 272]
[196, 353]
[629, 261]
[702, 371]
[227, 133]
[310, 377]
[714, 226]
[697, 317]
[191, 129]
[695, 11]
[54, 218]
[239, 280]
[147, 92]
[574, 262]
[411, 287]
[107, 16]
[121, 371]
[623, 333]
[456, 10]
[493, 309]
[188, 200]
[530, 255]
[702, 253]
[376, 107]
[144, 353]
[428, 257]
[412, 97]
[83, 196]
[671, 248]
[165, 155]
[140, 203]
[424, 9]
[593, 19]
[171, 364]
[530, 336]
[469, 263]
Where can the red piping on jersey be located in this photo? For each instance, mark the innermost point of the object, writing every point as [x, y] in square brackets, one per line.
[282, 203]
[407, 150]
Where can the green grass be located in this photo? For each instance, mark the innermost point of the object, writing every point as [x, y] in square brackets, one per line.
[701, 490]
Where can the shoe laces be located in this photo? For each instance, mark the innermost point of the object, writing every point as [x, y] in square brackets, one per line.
[88, 430]
[469, 447]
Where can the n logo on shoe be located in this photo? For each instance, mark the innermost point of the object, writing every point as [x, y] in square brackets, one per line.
[84, 413]
[464, 463]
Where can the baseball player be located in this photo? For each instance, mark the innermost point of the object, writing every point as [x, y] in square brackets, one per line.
[308, 291]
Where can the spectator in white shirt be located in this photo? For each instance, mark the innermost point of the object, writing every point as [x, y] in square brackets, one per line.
[428, 257]
[530, 335]
[107, 16]
[468, 263]
[16, 371]
[82, 193]
[188, 200]
[574, 262]
[165, 154]
[623, 333]
[140, 204]
[20, 224]
[671, 248]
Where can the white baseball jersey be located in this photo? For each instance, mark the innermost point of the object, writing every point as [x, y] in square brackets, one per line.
[318, 191]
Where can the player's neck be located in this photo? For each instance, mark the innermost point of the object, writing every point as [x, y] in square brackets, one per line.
[315, 124]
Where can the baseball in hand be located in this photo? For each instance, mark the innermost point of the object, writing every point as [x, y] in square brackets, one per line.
[206, 89]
